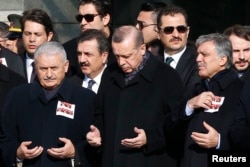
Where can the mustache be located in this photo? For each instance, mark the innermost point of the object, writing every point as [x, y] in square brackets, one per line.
[240, 61]
[84, 64]
[175, 38]
[200, 64]
[49, 79]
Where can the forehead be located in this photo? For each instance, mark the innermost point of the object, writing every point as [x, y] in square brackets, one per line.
[123, 48]
[238, 41]
[208, 46]
[31, 25]
[88, 45]
[87, 9]
[173, 20]
[49, 60]
[145, 16]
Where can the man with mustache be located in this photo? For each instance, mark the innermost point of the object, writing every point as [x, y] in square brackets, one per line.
[240, 38]
[173, 30]
[37, 29]
[210, 104]
[45, 122]
[92, 14]
[92, 51]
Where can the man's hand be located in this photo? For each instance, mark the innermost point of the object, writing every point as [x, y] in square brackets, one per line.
[203, 100]
[136, 142]
[24, 153]
[206, 140]
[67, 151]
[94, 136]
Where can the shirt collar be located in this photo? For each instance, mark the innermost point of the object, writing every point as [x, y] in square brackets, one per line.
[176, 56]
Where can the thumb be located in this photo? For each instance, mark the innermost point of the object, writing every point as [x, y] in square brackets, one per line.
[63, 139]
[207, 126]
[92, 128]
[27, 143]
[136, 130]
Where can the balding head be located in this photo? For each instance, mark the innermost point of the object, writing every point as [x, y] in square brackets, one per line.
[128, 47]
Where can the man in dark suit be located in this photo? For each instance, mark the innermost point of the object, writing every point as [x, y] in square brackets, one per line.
[132, 100]
[92, 14]
[92, 52]
[240, 38]
[239, 133]
[209, 106]
[45, 122]
[173, 32]
[147, 22]
[37, 29]
[8, 80]
[12, 61]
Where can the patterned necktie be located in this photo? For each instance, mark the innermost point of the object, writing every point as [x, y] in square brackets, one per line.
[90, 84]
[169, 60]
[33, 73]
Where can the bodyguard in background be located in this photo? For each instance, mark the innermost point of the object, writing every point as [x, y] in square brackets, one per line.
[172, 24]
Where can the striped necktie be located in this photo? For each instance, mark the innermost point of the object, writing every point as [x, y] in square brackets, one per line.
[169, 60]
[90, 84]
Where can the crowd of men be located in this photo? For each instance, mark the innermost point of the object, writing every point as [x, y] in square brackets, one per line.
[138, 95]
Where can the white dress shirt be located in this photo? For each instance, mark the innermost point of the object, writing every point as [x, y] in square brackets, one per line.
[29, 67]
[176, 57]
[97, 80]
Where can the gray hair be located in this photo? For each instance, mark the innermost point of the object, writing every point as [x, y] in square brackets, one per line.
[222, 44]
[51, 49]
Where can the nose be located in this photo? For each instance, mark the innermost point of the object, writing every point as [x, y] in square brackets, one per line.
[241, 55]
[175, 33]
[198, 58]
[32, 37]
[49, 73]
[82, 58]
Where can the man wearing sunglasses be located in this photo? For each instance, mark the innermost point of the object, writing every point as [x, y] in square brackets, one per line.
[146, 22]
[92, 14]
[173, 32]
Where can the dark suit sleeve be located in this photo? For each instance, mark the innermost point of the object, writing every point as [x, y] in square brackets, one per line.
[239, 133]
[173, 92]
[8, 139]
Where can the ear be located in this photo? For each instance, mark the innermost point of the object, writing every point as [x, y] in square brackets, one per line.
[106, 19]
[143, 49]
[223, 60]
[66, 66]
[188, 31]
[105, 57]
[50, 35]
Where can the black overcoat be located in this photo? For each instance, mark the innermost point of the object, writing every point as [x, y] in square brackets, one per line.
[142, 103]
[225, 84]
[30, 116]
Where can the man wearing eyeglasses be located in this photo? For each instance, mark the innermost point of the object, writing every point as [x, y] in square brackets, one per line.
[146, 22]
[173, 32]
[92, 14]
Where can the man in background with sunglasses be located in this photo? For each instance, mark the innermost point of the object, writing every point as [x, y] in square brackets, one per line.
[92, 14]
[147, 22]
[173, 32]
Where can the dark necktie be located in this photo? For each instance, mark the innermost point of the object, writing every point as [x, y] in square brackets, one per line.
[90, 84]
[33, 73]
[169, 60]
